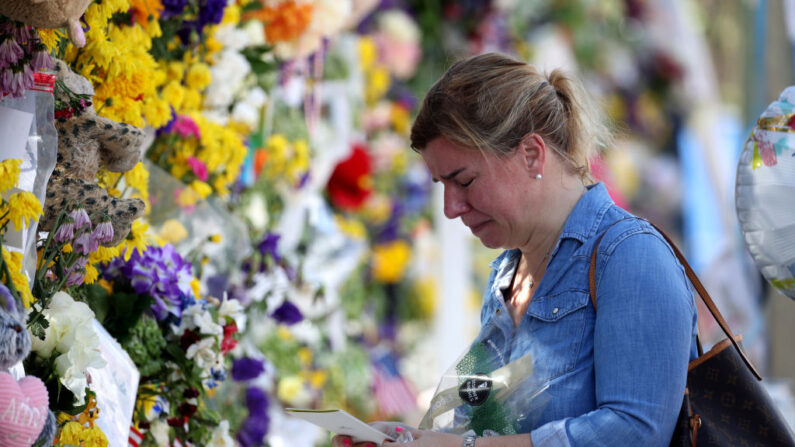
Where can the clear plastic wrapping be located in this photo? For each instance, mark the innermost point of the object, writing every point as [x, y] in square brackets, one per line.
[483, 394]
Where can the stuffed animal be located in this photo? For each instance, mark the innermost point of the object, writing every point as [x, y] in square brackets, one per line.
[25, 418]
[49, 14]
[87, 141]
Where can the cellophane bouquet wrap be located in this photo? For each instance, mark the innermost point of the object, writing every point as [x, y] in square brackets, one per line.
[485, 394]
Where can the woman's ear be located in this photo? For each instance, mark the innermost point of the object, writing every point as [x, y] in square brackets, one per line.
[533, 150]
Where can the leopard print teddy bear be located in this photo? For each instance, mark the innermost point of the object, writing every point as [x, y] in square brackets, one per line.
[86, 142]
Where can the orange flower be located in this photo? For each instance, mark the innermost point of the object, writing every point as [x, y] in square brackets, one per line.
[285, 21]
[143, 10]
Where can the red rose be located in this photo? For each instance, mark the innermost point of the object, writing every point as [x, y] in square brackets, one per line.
[349, 185]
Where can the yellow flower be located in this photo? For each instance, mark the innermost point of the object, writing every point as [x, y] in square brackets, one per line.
[67, 248]
[70, 433]
[135, 240]
[23, 206]
[318, 379]
[9, 174]
[198, 76]
[378, 82]
[156, 111]
[390, 261]
[201, 188]
[351, 227]
[290, 388]
[305, 356]
[93, 437]
[195, 285]
[50, 37]
[284, 333]
[368, 53]
[173, 231]
[187, 197]
[216, 238]
[173, 93]
[138, 178]
[91, 274]
[105, 284]
[192, 100]
[401, 120]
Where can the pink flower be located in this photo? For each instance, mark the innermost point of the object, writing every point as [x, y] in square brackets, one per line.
[66, 231]
[186, 127]
[80, 218]
[41, 60]
[83, 243]
[103, 232]
[10, 52]
[198, 167]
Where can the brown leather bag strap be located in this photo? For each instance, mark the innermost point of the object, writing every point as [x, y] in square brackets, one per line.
[702, 292]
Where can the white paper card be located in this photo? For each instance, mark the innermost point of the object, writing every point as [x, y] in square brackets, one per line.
[116, 386]
[341, 423]
[14, 130]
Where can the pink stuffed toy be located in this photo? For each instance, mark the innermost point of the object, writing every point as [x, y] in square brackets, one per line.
[49, 14]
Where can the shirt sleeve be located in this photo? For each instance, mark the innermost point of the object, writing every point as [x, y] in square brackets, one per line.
[642, 342]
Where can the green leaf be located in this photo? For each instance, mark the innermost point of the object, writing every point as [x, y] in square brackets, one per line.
[98, 300]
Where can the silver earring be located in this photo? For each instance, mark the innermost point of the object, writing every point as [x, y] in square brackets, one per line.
[538, 176]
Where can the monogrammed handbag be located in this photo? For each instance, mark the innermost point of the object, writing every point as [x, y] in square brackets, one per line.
[724, 403]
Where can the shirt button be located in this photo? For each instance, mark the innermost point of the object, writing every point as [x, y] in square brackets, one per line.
[555, 310]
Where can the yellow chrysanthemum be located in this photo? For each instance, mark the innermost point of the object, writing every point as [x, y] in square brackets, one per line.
[351, 227]
[94, 437]
[390, 261]
[138, 178]
[23, 207]
[103, 254]
[70, 433]
[201, 188]
[50, 37]
[198, 76]
[91, 274]
[187, 197]
[172, 231]
[3, 215]
[9, 174]
[156, 111]
[289, 388]
[136, 240]
[305, 356]
[173, 93]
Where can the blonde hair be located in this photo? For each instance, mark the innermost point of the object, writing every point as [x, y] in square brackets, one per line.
[491, 101]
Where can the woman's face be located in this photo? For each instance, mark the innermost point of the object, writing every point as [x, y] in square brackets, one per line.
[489, 193]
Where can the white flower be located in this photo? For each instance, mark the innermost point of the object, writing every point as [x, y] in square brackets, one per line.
[196, 317]
[221, 436]
[234, 310]
[399, 26]
[203, 353]
[159, 431]
[246, 114]
[65, 316]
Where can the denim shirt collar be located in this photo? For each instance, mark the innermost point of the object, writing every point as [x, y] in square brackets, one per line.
[580, 225]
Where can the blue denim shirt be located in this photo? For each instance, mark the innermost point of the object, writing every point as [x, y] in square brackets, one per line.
[616, 376]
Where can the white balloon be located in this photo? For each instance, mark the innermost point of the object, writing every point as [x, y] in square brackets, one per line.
[765, 193]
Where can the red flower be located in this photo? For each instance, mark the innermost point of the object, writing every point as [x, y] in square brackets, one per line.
[187, 339]
[350, 185]
[229, 342]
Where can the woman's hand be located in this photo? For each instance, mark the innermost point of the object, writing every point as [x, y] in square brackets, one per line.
[427, 438]
[394, 430]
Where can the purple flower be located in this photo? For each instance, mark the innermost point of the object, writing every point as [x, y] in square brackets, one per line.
[7, 298]
[80, 218]
[103, 233]
[83, 243]
[287, 314]
[172, 8]
[65, 232]
[211, 12]
[22, 34]
[159, 272]
[10, 52]
[256, 425]
[246, 368]
[41, 60]
[169, 125]
[268, 246]
[75, 278]
[256, 401]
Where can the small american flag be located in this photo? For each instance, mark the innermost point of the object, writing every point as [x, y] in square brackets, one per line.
[136, 436]
[394, 395]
